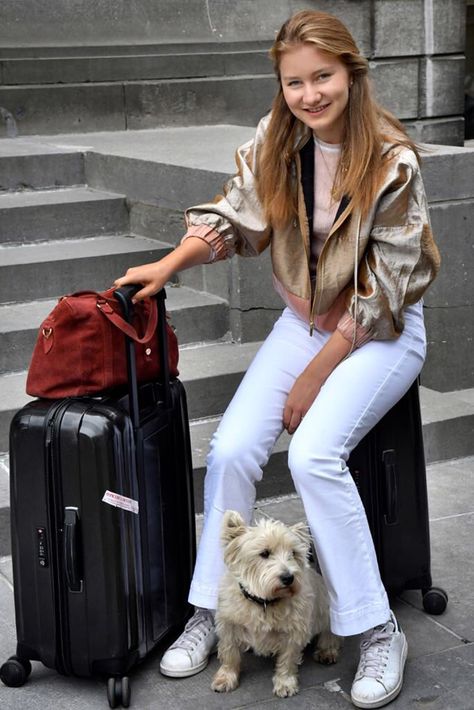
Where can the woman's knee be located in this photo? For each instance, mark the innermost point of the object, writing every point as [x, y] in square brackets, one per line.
[310, 458]
[235, 454]
[232, 473]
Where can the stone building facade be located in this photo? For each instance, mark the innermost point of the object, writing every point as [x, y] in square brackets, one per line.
[87, 65]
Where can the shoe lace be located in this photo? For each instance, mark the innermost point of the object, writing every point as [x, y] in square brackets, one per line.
[374, 650]
[197, 628]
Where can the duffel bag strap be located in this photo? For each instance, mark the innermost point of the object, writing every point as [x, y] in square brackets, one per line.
[105, 307]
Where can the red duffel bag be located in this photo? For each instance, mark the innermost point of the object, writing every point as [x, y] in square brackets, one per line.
[80, 346]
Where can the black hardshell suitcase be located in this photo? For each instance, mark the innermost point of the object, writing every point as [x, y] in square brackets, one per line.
[388, 467]
[103, 531]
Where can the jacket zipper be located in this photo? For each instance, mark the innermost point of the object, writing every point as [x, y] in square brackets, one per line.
[305, 233]
[304, 230]
[320, 267]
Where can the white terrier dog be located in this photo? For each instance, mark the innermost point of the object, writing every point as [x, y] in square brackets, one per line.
[270, 600]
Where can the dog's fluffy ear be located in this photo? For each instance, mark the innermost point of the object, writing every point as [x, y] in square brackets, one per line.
[301, 531]
[233, 525]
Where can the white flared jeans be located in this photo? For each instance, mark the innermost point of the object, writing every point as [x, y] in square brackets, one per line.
[353, 399]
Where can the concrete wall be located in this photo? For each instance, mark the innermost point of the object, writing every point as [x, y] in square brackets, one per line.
[90, 65]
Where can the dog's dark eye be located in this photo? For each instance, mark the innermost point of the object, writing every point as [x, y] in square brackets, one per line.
[265, 554]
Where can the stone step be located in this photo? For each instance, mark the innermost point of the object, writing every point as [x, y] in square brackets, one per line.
[196, 316]
[50, 50]
[50, 269]
[170, 167]
[114, 161]
[67, 213]
[276, 483]
[448, 432]
[25, 165]
[112, 106]
[211, 373]
[188, 171]
[114, 65]
[448, 424]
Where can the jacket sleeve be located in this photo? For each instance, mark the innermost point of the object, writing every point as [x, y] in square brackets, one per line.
[401, 258]
[234, 222]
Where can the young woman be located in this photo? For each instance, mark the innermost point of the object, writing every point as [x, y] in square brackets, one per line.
[332, 183]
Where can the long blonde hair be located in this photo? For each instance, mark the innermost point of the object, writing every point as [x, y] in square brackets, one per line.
[367, 124]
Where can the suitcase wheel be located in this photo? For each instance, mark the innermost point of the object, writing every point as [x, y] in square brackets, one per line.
[118, 692]
[15, 672]
[435, 600]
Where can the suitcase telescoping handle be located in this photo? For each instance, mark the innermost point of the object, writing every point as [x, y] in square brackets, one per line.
[124, 296]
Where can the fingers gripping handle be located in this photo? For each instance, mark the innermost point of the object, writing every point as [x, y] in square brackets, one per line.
[125, 295]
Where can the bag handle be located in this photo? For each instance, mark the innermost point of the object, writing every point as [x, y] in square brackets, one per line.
[104, 301]
[104, 307]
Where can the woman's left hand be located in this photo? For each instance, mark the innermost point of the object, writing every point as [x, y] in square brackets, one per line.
[307, 385]
[301, 397]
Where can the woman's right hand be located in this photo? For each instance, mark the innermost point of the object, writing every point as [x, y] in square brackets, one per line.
[151, 276]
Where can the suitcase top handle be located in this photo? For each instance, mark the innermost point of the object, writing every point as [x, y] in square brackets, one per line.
[124, 295]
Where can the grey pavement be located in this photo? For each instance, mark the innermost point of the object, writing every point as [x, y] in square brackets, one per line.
[439, 672]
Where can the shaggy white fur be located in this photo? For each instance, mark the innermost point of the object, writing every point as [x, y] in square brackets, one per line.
[271, 601]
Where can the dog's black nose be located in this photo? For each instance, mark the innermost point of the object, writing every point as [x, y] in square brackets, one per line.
[287, 579]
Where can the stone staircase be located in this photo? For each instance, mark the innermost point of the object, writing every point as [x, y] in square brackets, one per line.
[53, 89]
[77, 210]
[93, 65]
[58, 235]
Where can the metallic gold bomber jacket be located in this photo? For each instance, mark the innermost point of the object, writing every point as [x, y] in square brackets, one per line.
[376, 265]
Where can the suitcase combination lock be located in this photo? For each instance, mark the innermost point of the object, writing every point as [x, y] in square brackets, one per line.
[42, 547]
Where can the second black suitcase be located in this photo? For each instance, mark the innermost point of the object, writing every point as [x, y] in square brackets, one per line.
[103, 540]
[388, 467]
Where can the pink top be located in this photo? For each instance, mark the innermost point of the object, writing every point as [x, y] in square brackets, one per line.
[326, 159]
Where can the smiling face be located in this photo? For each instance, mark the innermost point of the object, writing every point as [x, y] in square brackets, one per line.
[316, 89]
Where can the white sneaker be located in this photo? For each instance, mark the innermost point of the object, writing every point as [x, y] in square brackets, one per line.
[190, 653]
[379, 677]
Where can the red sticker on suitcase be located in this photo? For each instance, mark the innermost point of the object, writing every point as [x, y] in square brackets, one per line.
[119, 501]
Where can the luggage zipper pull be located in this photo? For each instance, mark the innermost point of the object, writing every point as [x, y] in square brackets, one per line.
[49, 432]
[53, 417]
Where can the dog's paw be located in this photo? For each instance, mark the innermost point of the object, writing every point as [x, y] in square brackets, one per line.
[225, 680]
[326, 655]
[285, 686]
[327, 648]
